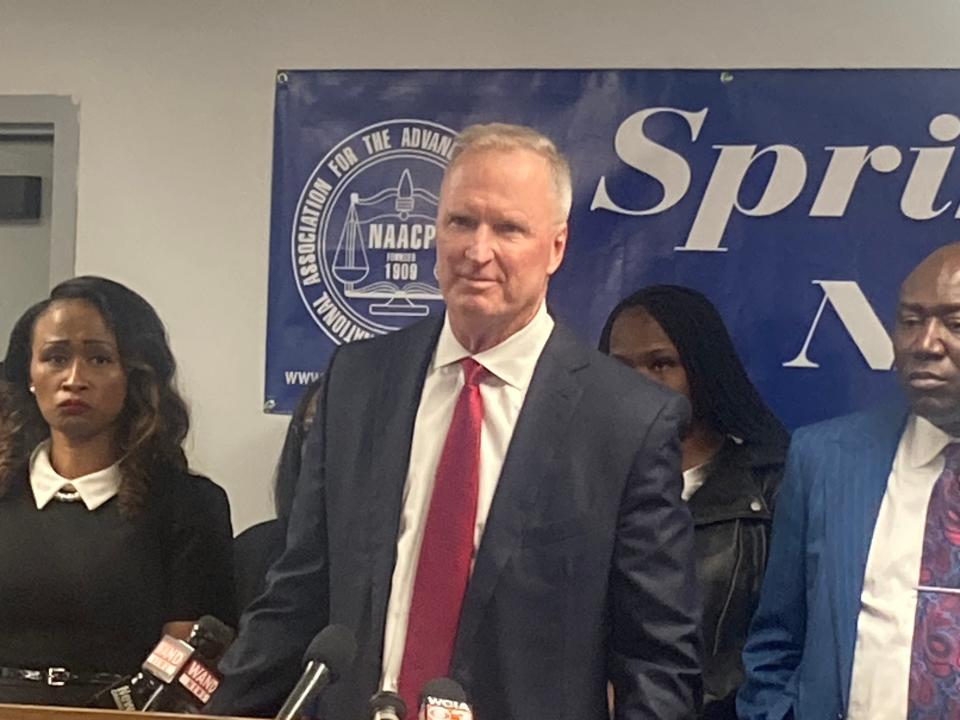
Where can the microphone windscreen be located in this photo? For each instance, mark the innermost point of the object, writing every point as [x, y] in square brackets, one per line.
[444, 688]
[384, 701]
[335, 647]
[211, 637]
[216, 629]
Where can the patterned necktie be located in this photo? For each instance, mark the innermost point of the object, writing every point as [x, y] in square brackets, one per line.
[443, 569]
[935, 655]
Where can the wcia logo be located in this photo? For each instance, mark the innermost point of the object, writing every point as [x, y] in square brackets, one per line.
[363, 244]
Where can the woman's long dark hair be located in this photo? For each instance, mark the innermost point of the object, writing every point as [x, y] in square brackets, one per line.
[720, 391]
[154, 420]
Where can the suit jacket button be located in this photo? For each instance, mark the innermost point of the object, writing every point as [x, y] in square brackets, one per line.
[756, 505]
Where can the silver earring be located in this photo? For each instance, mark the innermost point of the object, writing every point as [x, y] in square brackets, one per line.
[33, 389]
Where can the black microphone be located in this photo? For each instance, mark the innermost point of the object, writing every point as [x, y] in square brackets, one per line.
[198, 679]
[387, 706]
[330, 653]
[164, 665]
[444, 698]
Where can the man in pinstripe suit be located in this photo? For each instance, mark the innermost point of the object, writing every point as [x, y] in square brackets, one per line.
[842, 629]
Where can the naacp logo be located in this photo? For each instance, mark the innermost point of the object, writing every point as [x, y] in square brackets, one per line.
[363, 244]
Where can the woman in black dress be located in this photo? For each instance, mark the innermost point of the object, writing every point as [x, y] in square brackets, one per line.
[733, 455]
[106, 539]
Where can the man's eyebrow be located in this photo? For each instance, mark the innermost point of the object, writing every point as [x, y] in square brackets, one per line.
[941, 309]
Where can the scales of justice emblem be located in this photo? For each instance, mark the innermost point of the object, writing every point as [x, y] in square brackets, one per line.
[364, 233]
[414, 231]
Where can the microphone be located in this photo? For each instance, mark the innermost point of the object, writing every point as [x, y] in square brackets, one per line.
[444, 699]
[198, 678]
[387, 706]
[162, 665]
[330, 653]
[165, 664]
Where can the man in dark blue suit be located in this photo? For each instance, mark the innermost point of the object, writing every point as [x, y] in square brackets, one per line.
[860, 607]
[561, 553]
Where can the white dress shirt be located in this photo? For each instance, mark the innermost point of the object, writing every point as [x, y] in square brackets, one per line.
[94, 489]
[510, 365]
[888, 604]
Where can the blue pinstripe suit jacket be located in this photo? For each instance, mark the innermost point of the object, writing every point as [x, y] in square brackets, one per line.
[799, 655]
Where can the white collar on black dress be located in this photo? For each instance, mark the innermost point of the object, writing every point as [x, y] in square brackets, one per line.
[94, 489]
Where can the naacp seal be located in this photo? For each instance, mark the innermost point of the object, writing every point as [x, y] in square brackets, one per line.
[363, 241]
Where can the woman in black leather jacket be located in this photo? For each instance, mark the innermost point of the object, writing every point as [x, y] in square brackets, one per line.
[733, 456]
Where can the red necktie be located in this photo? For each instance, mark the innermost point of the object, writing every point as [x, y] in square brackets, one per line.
[934, 691]
[447, 550]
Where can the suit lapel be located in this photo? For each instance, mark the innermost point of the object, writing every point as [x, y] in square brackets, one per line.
[550, 401]
[861, 467]
[398, 399]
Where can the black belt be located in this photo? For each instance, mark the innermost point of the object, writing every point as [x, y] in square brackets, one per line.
[58, 676]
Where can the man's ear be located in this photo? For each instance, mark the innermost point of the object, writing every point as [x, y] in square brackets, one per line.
[558, 248]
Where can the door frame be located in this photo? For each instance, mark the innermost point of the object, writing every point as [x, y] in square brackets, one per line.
[55, 116]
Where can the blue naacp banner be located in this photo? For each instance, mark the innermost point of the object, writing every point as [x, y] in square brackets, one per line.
[796, 200]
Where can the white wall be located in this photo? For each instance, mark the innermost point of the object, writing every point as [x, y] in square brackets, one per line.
[176, 102]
